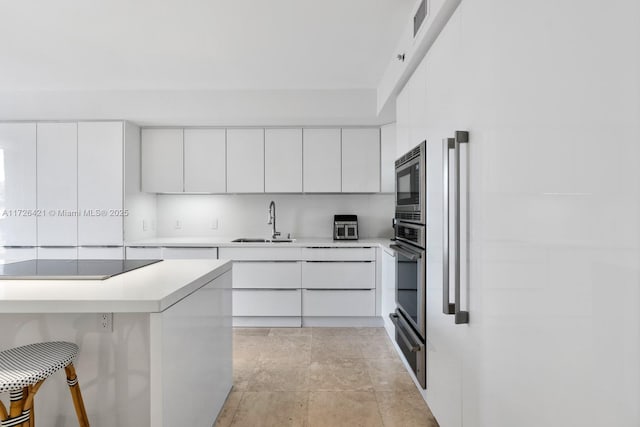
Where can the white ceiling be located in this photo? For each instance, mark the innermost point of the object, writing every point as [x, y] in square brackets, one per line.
[197, 44]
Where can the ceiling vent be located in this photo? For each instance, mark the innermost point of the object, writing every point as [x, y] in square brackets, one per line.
[418, 18]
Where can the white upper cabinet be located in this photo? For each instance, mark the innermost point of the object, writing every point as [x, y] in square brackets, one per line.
[18, 190]
[245, 160]
[322, 161]
[57, 195]
[162, 160]
[361, 160]
[100, 183]
[388, 158]
[283, 160]
[205, 160]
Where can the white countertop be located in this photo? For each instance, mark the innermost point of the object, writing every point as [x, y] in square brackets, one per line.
[149, 289]
[227, 242]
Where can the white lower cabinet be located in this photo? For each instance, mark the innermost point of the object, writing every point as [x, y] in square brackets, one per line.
[338, 254]
[339, 282]
[100, 252]
[157, 252]
[189, 253]
[135, 252]
[338, 275]
[388, 290]
[266, 302]
[58, 252]
[349, 303]
[266, 275]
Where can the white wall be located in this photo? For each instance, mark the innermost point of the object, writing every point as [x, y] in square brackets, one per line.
[246, 215]
[141, 221]
[198, 107]
[551, 97]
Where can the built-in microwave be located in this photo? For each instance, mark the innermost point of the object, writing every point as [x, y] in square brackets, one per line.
[410, 178]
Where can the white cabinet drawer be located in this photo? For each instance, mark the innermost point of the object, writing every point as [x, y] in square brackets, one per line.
[338, 303]
[144, 253]
[339, 275]
[339, 254]
[258, 302]
[189, 253]
[268, 275]
[58, 252]
[100, 252]
[260, 254]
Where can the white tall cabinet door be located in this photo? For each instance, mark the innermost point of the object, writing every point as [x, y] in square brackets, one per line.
[322, 170]
[100, 183]
[205, 159]
[245, 160]
[18, 186]
[402, 121]
[283, 160]
[388, 158]
[361, 160]
[162, 160]
[57, 195]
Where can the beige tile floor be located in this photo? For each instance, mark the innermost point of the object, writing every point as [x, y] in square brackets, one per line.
[320, 377]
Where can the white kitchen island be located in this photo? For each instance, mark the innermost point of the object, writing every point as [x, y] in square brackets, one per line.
[167, 361]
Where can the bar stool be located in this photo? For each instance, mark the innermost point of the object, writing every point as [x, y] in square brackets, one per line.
[22, 372]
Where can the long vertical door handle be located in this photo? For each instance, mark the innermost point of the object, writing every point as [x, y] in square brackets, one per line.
[462, 137]
[447, 306]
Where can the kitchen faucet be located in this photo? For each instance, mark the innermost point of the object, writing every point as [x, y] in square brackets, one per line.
[272, 218]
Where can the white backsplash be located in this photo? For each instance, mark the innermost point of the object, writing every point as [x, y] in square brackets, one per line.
[245, 215]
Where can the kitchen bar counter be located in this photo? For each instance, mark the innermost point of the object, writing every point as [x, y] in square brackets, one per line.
[149, 289]
[227, 242]
[155, 343]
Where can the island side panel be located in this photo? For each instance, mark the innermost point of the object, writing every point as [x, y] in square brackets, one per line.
[191, 357]
[112, 367]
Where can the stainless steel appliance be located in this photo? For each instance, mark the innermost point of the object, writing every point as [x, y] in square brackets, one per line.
[410, 317]
[411, 304]
[345, 227]
[410, 185]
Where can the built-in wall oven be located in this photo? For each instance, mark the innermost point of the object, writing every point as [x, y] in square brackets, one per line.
[409, 317]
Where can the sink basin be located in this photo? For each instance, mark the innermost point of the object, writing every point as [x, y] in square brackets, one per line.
[251, 240]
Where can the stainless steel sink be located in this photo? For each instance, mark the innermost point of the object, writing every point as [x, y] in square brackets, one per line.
[251, 240]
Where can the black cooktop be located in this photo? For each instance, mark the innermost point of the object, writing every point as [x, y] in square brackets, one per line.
[65, 269]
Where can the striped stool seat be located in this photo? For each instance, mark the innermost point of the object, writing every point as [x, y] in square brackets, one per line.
[24, 369]
[21, 367]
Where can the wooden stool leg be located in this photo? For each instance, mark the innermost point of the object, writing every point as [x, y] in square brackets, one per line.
[3, 412]
[74, 388]
[16, 408]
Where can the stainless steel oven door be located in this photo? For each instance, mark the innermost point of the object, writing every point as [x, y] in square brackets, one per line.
[411, 286]
[412, 347]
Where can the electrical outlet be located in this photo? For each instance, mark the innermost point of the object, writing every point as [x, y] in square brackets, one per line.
[178, 224]
[105, 322]
[214, 224]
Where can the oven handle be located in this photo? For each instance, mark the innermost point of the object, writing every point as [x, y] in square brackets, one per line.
[412, 347]
[411, 255]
